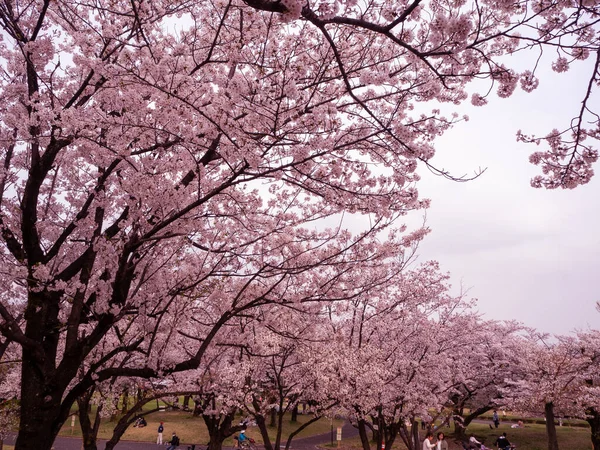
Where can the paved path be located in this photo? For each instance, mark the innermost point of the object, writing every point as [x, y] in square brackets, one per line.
[309, 443]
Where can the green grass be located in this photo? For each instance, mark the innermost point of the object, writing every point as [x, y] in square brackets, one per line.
[531, 437]
[514, 417]
[192, 429]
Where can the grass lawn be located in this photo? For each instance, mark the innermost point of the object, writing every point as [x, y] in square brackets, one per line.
[531, 437]
[191, 429]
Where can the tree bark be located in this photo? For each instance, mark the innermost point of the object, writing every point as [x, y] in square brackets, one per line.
[550, 426]
[415, 433]
[41, 393]
[460, 430]
[125, 401]
[295, 413]
[593, 418]
[362, 432]
[87, 429]
[220, 428]
[262, 426]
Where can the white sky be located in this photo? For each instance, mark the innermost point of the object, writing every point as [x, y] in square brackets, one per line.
[526, 254]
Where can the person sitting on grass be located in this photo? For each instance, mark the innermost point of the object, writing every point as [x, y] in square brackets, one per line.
[140, 422]
[473, 442]
[502, 442]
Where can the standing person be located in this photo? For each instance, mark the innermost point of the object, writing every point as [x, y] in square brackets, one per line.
[174, 442]
[161, 428]
[428, 442]
[496, 419]
[441, 442]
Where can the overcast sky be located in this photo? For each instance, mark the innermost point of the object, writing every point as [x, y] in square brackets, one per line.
[525, 253]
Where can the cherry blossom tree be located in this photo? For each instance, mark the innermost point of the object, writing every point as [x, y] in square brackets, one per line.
[589, 347]
[392, 362]
[170, 160]
[560, 379]
[485, 363]
[278, 366]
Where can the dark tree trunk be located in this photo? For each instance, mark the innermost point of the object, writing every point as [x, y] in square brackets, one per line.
[262, 426]
[89, 431]
[593, 418]
[118, 432]
[220, 428]
[460, 430]
[273, 418]
[37, 422]
[295, 413]
[125, 422]
[389, 433]
[299, 429]
[415, 433]
[125, 401]
[362, 432]
[407, 435]
[280, 414]
[41, 392]
[186, 401]
[550, 426]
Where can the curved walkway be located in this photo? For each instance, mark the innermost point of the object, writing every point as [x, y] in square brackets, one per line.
[308, 443]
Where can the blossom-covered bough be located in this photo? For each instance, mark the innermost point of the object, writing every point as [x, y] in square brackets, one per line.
[168, 166]
[430, 50]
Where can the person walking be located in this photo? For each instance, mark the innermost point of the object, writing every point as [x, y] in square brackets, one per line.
[161, 428]
[174, 442]
[496, 419]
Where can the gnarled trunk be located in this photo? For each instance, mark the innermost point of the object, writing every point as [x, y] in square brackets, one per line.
[220, 428]
[41, 394]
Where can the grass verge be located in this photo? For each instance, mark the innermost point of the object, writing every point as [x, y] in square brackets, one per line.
[530, 437]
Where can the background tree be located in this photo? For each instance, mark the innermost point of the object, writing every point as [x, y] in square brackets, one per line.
[557, 381]
[393, 356]
[485, 364]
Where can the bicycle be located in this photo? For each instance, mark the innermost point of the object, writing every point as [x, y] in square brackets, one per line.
[247, 444]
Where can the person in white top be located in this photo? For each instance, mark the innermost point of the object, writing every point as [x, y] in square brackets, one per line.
[441, 442]
[474, 443]
[428, 442]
